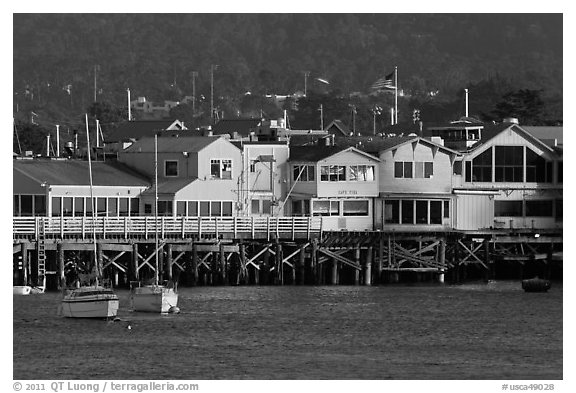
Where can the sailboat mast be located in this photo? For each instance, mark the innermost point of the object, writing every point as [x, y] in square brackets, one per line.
[92, 200]
[156, 205]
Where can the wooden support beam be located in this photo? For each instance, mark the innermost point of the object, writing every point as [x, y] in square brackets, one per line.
[339, 258]
[61, 267]
[135, 255]
[313, 261]
[195, 264]
[175, 260]
[471, 253]
[223, 264]
[169, 261]
[116, 247]
[112, 261]
[357, 261]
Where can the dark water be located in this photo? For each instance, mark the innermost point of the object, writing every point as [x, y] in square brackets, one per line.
[472, 331]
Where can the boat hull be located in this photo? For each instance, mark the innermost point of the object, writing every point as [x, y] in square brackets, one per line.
[21, 289]
[536, 285]
[90, 302]
[157, 299]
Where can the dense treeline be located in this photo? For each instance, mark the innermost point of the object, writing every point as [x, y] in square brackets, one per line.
[58, 56]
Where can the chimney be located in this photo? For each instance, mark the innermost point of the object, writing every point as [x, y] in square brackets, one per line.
[513, 120]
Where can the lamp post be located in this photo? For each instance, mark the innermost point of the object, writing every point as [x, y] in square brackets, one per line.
[306, 75]
[376, 110]
[212, 68]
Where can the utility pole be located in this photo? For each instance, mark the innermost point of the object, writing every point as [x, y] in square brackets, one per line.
[194, 75]
[321, 117]
[212, 68]
[96, 69]
[306, 75]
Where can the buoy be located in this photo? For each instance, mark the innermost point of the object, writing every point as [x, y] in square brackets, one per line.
[174, 310]
[129, 327]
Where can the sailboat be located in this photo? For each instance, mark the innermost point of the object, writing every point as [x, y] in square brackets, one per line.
[92, 300]
[155, 297]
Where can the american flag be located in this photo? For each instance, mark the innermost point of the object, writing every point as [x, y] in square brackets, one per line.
[385, 82]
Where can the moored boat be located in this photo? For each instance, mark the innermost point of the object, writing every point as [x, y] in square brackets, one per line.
[536, 284]
[154, 298]
[90, 302]
[21, 290]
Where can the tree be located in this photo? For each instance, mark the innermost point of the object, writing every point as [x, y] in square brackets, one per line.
[526, 105]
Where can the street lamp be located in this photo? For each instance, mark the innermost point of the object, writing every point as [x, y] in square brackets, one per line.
[376, 110]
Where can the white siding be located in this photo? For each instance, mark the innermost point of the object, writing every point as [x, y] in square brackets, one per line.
[474, 212]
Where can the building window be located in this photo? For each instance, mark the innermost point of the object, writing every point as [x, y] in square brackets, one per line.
[171, 168]
[101, 207]
[537, 168]
[403, 169]
[407, 212]
[192, 208]
[112, 207]
[332, 173]
[446, 209]
[392, 212]
[123, 207]
[134, 206]
[227, 209]
[164, 208]
[204, 208]
[180, 208]
[539, 208]
[26, 208]
[56, 206]
[559, 210]
[509, 165]
[325, 208]
[361, 173]
[255, 206]
[457, 169]
[508, 208]
[468, 177]
[221, 169]
[355, 208]
[482, 167]
[301, 208]
[266, 206]
[303, 173]
[436, 212]
[423, 170]
[421, 212]
[147, 208]
[16, 205]
[560, 171]
[252, 166]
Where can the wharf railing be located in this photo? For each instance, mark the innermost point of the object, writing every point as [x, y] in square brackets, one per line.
[173, 227]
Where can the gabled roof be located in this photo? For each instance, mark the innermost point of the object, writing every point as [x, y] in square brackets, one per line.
[136, 129]
[76, 173]
[230, 126]
[491, 131]
[172, 144]
[339, 126]
[170, 186]
[547, 134]
[318, 153]
[376, 145]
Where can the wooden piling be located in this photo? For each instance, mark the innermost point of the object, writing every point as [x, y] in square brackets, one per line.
[223, 265]
[195, 264]
[334, 277]
[99, 260]
[314, 262]
[301, 264]
[357, 260]
[368, 267]
[279, 276]
[169, 261]
[243, 273]
[61, 266]
[133, 276]
[442, 260]
[25, 267]
[380, 259]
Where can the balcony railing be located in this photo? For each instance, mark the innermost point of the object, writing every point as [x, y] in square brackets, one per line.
[172, 227]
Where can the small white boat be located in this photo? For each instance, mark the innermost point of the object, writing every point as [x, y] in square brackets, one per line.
[154, 298]
[90, 302]
[22, 289]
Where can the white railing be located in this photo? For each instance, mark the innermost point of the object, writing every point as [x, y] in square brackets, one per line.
[129, 227]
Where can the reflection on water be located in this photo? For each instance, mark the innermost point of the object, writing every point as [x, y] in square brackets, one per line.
[470, 331]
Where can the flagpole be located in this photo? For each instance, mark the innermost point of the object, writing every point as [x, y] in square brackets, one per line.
[396, 95]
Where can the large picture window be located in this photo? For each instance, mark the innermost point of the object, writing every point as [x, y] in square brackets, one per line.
[403, 169]
[539, 208]
[355, 208]
[423, 170]
[392, 211]
[537, 168]
[509, 164]
[508, 208]
[482, 167]
[361, 173]
[326, 208]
